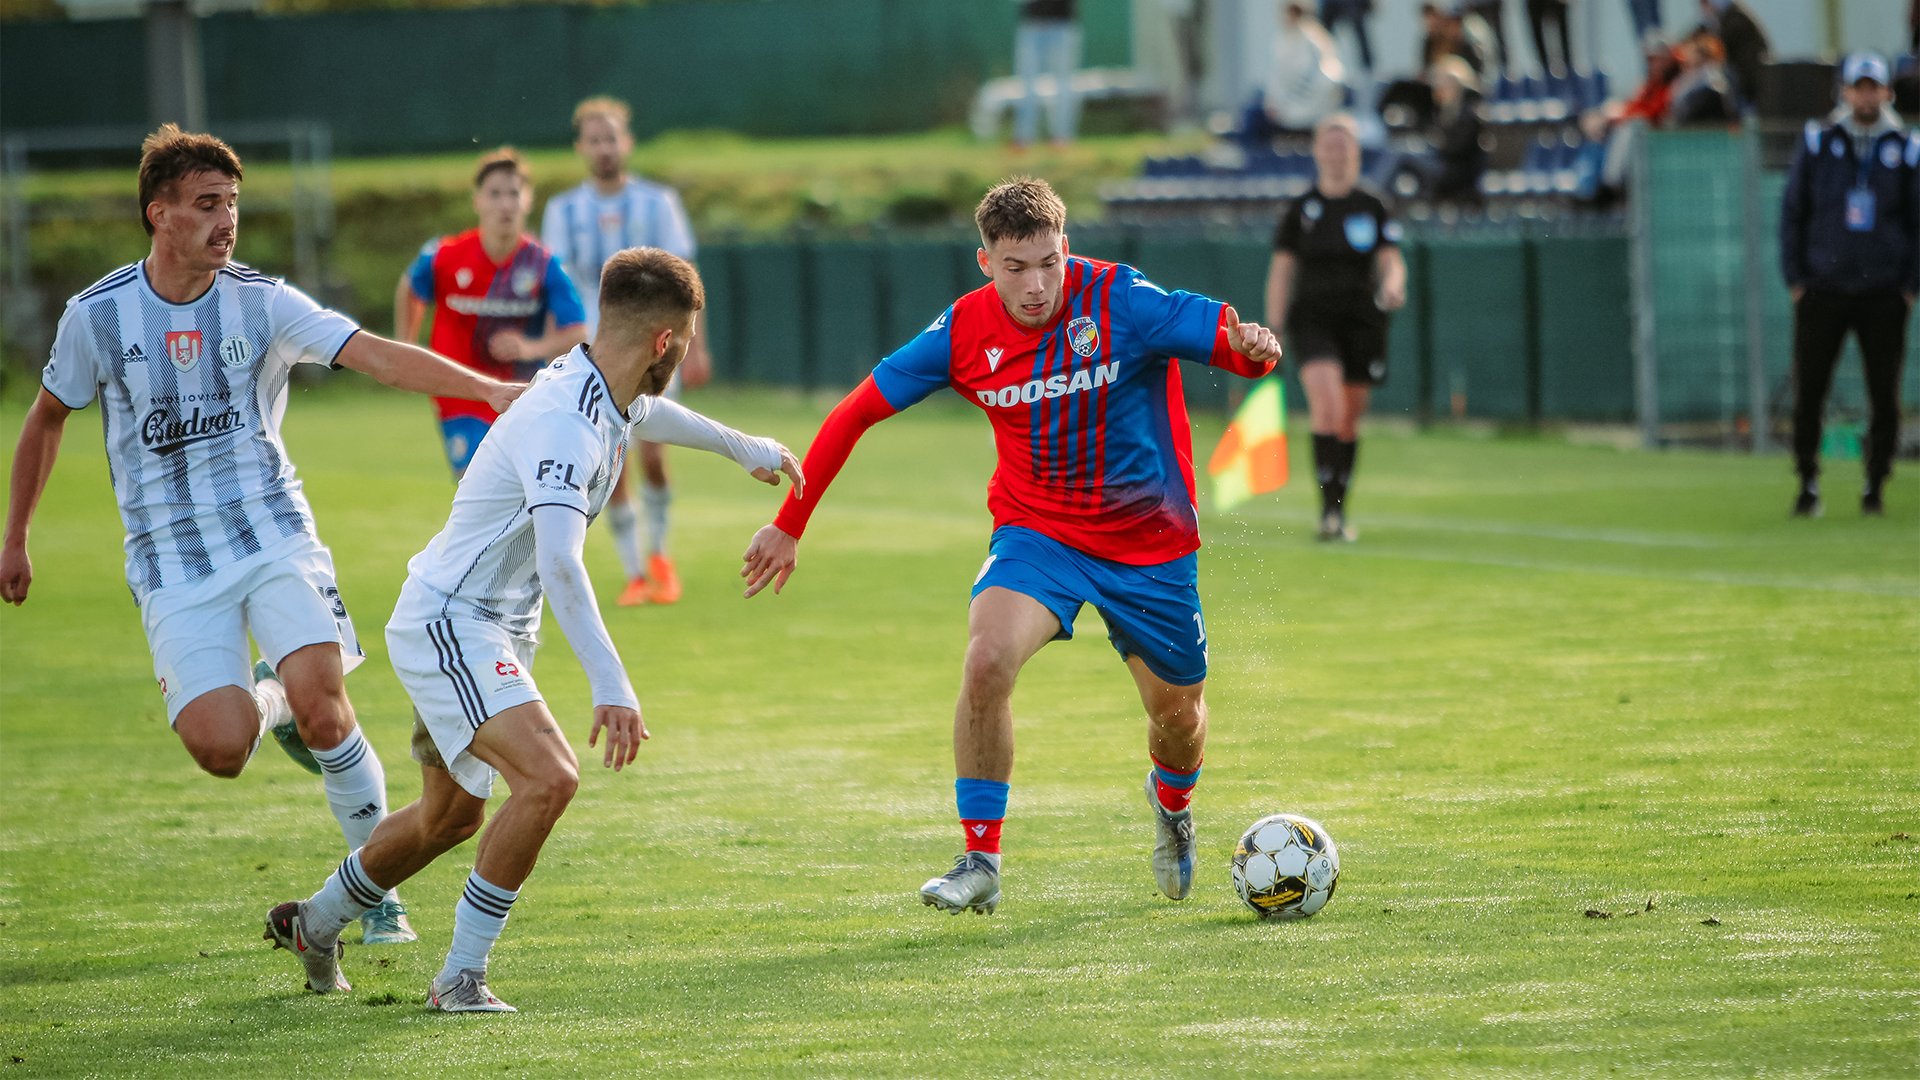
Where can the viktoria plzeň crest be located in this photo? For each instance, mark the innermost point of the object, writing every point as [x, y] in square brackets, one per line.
[1083, 336]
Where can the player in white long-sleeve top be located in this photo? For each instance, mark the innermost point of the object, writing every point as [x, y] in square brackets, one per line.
[189, 354]
[462, 635]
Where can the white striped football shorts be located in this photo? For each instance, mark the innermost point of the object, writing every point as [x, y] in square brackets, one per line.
[459, 672]
[285, 595]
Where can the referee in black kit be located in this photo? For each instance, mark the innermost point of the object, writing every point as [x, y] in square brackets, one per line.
[1850, 249]
[1335, 275]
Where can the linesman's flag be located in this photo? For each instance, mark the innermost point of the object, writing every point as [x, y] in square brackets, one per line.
[1252, 456]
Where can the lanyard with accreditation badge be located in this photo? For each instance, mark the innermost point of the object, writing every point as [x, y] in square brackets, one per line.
[1860, 208]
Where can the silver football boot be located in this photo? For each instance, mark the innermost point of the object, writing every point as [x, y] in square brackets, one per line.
[1172, 847]
[972, 885]
[465, 992]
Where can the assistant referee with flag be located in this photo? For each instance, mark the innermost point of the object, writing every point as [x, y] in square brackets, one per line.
[1850, 251]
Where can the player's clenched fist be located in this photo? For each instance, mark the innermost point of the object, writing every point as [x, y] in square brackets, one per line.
[1251, 340]
[16, 573]
[769, 558]
[625, 732]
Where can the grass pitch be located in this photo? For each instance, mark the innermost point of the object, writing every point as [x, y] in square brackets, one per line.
[1550, 683]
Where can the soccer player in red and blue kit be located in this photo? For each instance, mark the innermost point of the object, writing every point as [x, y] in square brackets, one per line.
[502, 303]
[1074, 362]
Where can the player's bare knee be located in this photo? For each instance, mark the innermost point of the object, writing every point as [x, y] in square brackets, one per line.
[223, 758]
[550, 790]
[988, 674]
[1182, 718]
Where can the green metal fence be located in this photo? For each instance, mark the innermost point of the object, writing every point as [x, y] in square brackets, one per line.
[1510, 327]
[411, 81]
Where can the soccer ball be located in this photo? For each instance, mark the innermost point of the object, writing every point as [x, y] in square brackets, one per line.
[1285, 867]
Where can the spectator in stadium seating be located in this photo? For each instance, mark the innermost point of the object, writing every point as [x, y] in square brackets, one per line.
[1046, 42]
[1335, 12]
[1492, 15]
[1702, 91]
[1307, 81]
[1457, 158]
[1746, 45]
[1613, 124]
[1539, 14]
[1446, 33]
[1335, 276]
[1850, 253]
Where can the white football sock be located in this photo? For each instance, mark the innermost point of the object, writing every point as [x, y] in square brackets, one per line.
[477, 921]
[270, 698]
[347, 895]
[654, 500]
[356, 787]
[625, 524]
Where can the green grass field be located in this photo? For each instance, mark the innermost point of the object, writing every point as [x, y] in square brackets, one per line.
[1549, 679]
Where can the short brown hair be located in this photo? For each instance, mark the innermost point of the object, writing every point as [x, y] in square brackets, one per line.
[649, 286]
[494, 161]
[170, 154]
[1018, 208]
[610, 107]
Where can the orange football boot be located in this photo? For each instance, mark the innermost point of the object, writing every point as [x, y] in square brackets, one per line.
[664, 582]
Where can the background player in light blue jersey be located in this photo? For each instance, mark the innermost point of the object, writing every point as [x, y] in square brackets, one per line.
[584, 227]
[189, 354]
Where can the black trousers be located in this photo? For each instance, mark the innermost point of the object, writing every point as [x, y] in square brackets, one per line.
[1820, 324]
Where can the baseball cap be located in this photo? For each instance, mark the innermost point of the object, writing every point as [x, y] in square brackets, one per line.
[1863, 65]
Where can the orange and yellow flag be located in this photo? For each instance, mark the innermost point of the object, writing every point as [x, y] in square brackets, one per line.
[1252, 456]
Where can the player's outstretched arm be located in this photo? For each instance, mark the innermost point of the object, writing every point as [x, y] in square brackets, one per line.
[559, 535]
[770, 558]
[40, 433]
[669, 421]
[414, 369]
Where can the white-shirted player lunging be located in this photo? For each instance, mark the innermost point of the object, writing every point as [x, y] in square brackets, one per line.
[189, 354]
[462, 635]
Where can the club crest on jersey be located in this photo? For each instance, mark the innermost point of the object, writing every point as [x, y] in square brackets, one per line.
[236, 352]
[523, 281]
[184, 348]
[463, 277]
[993, 358]
[1362, 232]
[1083, 336]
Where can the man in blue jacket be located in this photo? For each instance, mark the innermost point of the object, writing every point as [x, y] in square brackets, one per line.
[1850, 250]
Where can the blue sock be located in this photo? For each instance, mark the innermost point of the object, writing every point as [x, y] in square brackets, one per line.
[983, 807]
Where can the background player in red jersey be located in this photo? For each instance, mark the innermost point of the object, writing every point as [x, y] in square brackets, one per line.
[1074, 362]
[502, 304]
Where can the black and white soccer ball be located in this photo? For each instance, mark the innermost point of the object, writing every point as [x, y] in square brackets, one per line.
[1285, 867]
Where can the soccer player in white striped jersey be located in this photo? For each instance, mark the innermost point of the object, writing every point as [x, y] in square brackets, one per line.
[462, 635]
[189, 354]
[583, 227]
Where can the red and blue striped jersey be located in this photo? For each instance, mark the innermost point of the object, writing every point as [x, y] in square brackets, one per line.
[475, 298]
[1088, 415]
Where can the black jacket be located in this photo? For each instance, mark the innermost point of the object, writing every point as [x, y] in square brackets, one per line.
[1817, 249]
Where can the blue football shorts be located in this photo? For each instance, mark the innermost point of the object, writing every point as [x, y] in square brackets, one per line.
[462, 435]
[1152, 612]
